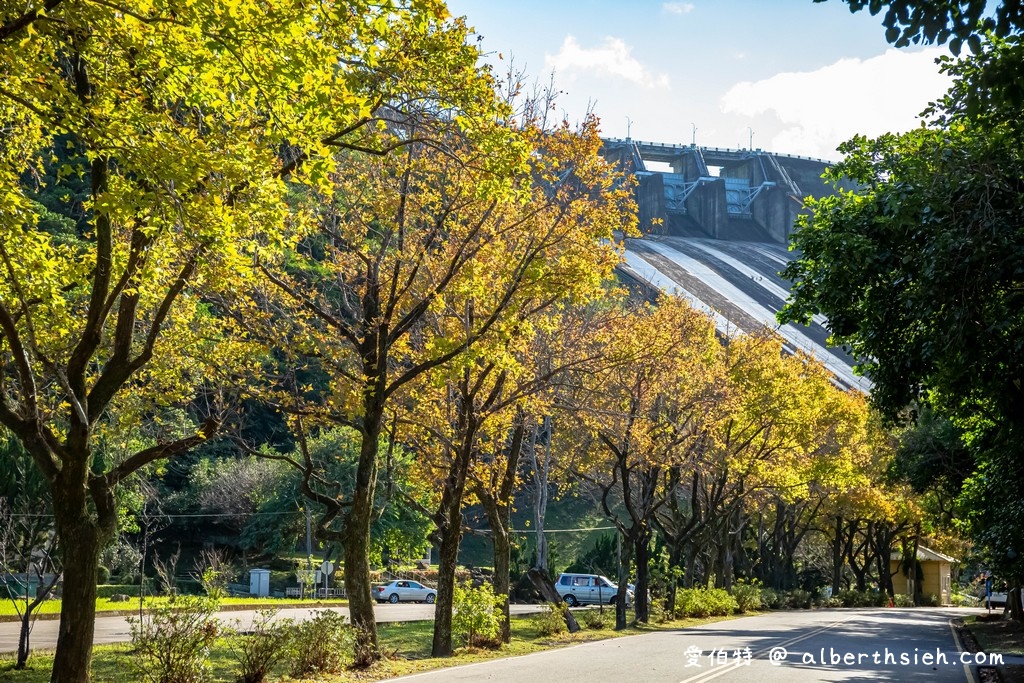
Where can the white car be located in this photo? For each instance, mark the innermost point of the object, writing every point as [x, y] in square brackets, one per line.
[997, 599]
[582, 589]
[403, 590]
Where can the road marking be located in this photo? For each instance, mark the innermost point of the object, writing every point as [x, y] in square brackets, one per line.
[711, 675]
[959, 648]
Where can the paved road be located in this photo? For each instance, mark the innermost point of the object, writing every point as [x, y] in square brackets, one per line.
[116, 629]
[806, 636]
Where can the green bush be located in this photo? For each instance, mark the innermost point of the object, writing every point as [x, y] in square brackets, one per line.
[102, 574]
[595, 619]
[854, 598]
[964, 600]
[476, 614]
[110, 590]
[324, 644]
[902, 600]
[172, 645]
[658, 612]
[262, 647]
[748, 596]
[699, 603]
[798, 599]
[832, 602]
[929, 600]
[550, 621]
[771, 598]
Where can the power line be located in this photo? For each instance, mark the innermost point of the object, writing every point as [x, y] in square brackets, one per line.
[558, 531]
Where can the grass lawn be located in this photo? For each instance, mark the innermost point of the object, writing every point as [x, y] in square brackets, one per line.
[52, 607]
[996, 634]
[407, 646]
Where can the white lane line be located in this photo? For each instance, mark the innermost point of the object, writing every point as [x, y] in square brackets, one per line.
[711, 675]
[959, 648]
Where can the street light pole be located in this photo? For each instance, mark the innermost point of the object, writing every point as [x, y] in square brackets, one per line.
[750, 144]
[693, 139]
[629, 127]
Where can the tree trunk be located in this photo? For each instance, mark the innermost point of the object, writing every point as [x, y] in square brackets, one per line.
[625, 548]
[642, 549]
[542, 582]
[497, 521]
[541, 469]
[690, 567]
[674, 555]
[23, 642]
[447, 564]
[1013, 602]
[357, 544]
[449, 523]
[502, 570]
[837, 557]
[80, 550]
[42, 592]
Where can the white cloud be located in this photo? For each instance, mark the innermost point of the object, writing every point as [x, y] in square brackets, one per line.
[613, 58]
[819, 109]
[677, 7]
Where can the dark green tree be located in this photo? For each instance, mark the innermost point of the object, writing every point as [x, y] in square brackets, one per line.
[909, 22]
[920, 271]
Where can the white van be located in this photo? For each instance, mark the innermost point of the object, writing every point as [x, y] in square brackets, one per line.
[588, 589]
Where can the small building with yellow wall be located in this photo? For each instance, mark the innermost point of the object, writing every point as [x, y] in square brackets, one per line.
[936, 574]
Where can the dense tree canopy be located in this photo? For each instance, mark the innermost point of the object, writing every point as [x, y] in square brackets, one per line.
[937, 21]
[919, 272]
[180, 126]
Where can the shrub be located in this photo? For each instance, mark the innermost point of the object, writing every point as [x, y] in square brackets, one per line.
[798, 599]
[700, 602]
[264, 646]
[102, 574]
[658, 613]
[550, 621]
[930, 600]
[902, 600]
[213, 573]
[172, 645]
[596, 620]
[476, 614]
[748, 596]
[771, 598]
[854, 598]
[113, 589]
[964, 600]
[324, 644]
[832, 602]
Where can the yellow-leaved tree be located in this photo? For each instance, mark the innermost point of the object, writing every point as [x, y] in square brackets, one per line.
[412, 262]
[641, 413]
[184, 125]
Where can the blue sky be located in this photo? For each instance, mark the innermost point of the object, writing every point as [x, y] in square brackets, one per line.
[802, 76]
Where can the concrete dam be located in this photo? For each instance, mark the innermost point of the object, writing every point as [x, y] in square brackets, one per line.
[721, 236]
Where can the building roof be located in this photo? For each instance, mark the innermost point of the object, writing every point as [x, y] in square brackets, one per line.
[925, 555]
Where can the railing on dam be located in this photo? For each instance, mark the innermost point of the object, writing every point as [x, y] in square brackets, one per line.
[670, 147]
